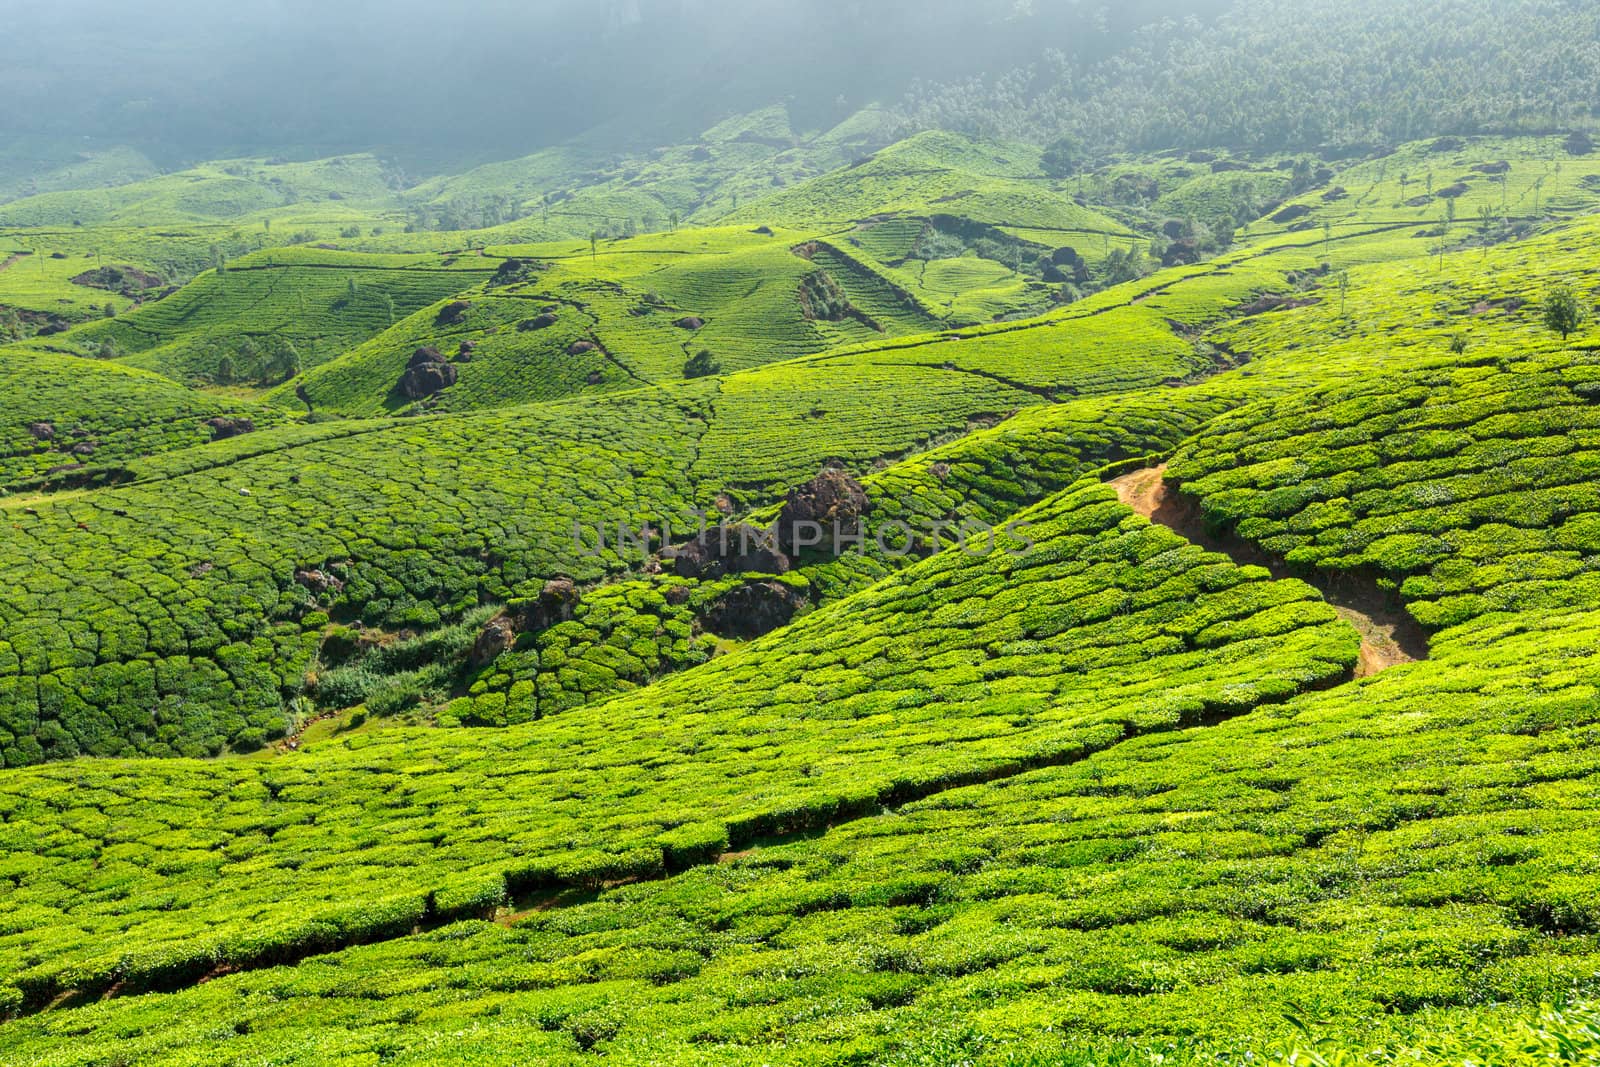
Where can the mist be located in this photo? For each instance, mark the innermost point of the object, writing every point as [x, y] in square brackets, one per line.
[440, 85]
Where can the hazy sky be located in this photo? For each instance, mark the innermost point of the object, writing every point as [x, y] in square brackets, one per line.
[188, 78]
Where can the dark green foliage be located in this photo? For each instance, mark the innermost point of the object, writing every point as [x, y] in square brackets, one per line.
[702, 364]
[1063, 156]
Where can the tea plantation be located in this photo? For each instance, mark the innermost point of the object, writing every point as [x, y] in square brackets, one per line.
[333, 733]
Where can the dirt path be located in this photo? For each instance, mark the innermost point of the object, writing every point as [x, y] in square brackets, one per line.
[9, 260]
[1388, 636]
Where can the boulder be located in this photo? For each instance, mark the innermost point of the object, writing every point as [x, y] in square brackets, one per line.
[833, 500]
[736, 549]
[538, 322]
[427, 378]
[555, 604]
[42, 431]
[452, 313]
[426, 354]
[224, 428]
[320, 583]
[753, 610]
[690, 322]
[578, 348]
[496, 637]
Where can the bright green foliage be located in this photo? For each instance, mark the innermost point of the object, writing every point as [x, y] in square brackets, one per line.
[319, 303]
[181, 594]
[1181, 883]
[1104, 799]
[1469, 485]
[225, 190]
[933, 172]
[61, 411]
[1124, 628]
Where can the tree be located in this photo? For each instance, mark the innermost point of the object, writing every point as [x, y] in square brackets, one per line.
[1563, 313]
[1458, 344]
[1064, 156]
[702, 364]
[1123, 266]
[594, 244]
[225, 371]
[673, 222]
[1344, 291]
[109, 311]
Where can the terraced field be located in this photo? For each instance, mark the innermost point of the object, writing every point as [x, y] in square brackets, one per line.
[336, 738]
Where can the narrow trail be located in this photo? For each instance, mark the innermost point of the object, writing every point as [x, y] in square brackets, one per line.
[1389, 636]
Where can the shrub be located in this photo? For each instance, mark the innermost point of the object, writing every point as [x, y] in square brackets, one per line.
[702, 364]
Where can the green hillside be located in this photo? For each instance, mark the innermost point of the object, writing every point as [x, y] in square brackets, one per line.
[1213, 680]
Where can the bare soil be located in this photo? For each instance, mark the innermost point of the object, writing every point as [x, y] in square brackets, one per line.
[1389, 636]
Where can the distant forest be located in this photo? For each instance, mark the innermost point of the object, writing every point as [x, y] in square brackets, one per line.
[1286, 74]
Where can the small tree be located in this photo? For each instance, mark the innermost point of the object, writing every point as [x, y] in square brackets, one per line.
[1458, 344]
[1344, 291]
[1563, 313]
[225, 372]
[594, 244]
[702, 365]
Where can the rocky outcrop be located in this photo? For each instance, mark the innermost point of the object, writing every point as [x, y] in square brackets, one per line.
[752, 610]
[833, 500]
[555, 604]
[497, 637]
[737, 549]
[427, 374]
[223, 428]
[453, 313]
